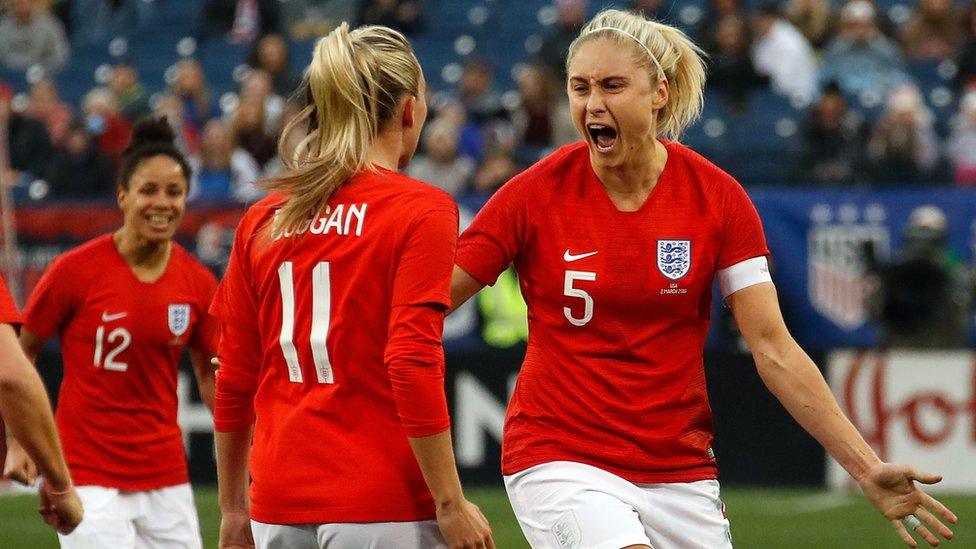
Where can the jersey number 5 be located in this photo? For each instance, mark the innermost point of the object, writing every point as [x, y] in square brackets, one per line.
[321, 312]
[570, 291]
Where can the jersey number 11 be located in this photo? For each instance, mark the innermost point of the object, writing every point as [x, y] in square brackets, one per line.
[321, 313]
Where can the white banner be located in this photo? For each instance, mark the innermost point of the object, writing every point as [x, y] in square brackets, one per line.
[913, 407]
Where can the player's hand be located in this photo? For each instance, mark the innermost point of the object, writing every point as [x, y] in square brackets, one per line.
[62, 510]
[19, 466]
[891, 489]
[464, 526]
[235, 530]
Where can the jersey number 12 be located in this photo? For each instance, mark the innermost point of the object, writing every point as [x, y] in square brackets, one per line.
[321, 313]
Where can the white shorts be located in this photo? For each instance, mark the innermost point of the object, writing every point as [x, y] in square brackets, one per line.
[567, 505]
[372, 535]
[152, 519]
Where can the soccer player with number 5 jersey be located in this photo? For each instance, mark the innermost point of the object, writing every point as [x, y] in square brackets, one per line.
[617, 241]
[124, 306]
[331, 418]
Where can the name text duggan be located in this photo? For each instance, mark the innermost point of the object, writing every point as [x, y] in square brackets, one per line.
[342, 220]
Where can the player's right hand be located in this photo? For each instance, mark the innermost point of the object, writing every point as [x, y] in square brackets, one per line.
[62, 510]
[235, 530]
[19, 466]
[891, 489]
[464, 526]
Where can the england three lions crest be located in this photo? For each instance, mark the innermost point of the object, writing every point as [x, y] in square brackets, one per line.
[674, 258]
[179, 318]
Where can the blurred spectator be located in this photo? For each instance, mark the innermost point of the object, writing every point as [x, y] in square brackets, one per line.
[472, 140]
[903, 146]
[730, 68]
[933, 32]
[658, 10]
[270, 54]
[251, 130]
[861, 59]
[45, 105]
[813, 18]
[962, 142]
[717, 10]
[312, 19]
[834, 140]
[187, 137]
[403, 15]
[440, 163]
[95, 22]
[190, 86]
[287, 142]
[257, 86]
[240, 21]
[555, 46]
[77, 170]
[783, 54]
[30, 36]
[542, 119]
[223, 172]
[924, 297]
[497, 168]
[105, 124]
[27, 140]
[966, 77]
[130, 94]
[483, 104]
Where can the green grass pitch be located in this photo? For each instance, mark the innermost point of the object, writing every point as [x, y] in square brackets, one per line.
[789, 519]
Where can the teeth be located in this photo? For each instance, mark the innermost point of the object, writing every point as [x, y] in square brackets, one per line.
[158, 219]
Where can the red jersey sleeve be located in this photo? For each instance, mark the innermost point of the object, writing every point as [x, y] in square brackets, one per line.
[52, 302]
[8, 310]
[742, 232]
[491, 242]
[414, 355]
[235, 309]
[206, 333]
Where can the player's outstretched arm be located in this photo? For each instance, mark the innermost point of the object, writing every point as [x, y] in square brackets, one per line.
[24, 405]
[461, 522]
[795, 380]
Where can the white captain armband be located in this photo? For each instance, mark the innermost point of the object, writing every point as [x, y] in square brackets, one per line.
[742, 275]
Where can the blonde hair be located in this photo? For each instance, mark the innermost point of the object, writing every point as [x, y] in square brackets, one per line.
[354, 85]
[666, 52]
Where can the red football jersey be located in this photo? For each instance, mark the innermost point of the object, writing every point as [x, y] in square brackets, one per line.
[618, 307]
[121, 341]
[8, 309]
[332, 336]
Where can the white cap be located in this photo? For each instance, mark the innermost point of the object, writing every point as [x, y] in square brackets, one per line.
[857, 10]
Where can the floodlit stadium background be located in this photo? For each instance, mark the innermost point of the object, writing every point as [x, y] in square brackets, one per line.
[837, 145]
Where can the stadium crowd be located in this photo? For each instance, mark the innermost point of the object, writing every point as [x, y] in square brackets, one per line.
[882, 93]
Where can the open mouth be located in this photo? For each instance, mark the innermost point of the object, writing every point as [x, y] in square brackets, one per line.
[602, 136]
[160, 221]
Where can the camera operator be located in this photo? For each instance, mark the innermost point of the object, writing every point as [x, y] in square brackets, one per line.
[925, 295]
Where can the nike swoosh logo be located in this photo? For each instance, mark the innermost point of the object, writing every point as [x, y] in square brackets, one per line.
[570, 257]
[109, 318]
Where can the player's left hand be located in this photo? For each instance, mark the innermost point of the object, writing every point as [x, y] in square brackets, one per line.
[891, 489]
[63, 510]
[19, 466]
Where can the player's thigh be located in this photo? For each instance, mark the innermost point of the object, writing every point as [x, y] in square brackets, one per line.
[686, 515]
[167, 519]
[284, 536]
[380, 535]
[107, 521]
[564, 505]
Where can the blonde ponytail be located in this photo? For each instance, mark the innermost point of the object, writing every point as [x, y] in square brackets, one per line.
[354, 85]
[666, 52]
